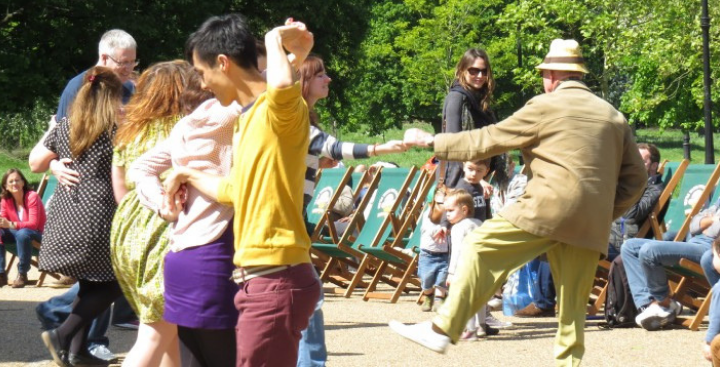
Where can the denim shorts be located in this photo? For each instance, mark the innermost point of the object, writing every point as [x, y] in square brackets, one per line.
[433, 269]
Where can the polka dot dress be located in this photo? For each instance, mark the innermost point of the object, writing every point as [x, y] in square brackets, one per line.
[76, 240]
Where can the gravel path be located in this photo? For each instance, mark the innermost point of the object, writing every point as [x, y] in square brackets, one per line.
[357, 335]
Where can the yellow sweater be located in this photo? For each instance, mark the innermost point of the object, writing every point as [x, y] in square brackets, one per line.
[265, 186]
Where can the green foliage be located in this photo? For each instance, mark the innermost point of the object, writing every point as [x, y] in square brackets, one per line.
[23, 129]
[392, 61]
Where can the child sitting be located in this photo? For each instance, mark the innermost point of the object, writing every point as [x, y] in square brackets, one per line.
[433, 262]
[459, 210]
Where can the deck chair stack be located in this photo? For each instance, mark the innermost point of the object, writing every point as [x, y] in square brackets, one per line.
[385, 203]
[47, 187]
[672, 174]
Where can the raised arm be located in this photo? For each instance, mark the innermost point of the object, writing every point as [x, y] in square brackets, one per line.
[293, 37]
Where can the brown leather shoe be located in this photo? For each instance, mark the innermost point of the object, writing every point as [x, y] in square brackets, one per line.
[3, 279]
[532, 311]
[20, 281]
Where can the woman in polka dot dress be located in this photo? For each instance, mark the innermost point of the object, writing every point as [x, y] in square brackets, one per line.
[76, 241]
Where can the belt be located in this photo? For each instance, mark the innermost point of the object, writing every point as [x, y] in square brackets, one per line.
[245, 274]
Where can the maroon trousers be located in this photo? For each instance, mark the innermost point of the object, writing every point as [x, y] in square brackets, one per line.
[274, 309]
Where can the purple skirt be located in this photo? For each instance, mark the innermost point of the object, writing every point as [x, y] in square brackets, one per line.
[199, 291]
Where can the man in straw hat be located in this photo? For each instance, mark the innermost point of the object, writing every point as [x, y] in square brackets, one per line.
[584, 171]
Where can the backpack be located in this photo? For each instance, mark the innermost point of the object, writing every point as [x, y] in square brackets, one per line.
[620, 310]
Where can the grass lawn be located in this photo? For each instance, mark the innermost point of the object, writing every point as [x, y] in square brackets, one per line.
[669, 142]
[18, 160]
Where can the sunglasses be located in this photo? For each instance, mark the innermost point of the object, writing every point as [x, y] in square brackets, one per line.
[475, 71]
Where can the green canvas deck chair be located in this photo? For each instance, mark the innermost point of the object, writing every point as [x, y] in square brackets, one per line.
[399, 255]
[46, 188]
[326, 193]
[318, 212]
[671, 175]
[688, 284]
[386, 188]
[681, 203]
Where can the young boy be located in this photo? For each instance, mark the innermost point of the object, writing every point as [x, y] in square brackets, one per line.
[433, 262]
[475, 171]
[459, 210]
[265, 186]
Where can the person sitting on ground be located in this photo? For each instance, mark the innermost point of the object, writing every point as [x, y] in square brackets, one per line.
[433, 260]
[645, 261]
[22, 219]
[459, 211]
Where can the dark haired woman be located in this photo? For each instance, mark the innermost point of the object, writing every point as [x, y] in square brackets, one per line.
[76, 241]
[467, 107]
[22, 219]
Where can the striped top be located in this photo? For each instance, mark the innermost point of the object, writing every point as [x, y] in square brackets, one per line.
[323, 144]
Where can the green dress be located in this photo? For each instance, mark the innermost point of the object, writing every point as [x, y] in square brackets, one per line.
[139, 239]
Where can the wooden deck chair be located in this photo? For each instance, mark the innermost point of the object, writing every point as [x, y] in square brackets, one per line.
[689, 285]
[386, 188]
[399, 256]
[681, 204]
[329, 183]
[671, 175]
[327, 191]
[47, 187]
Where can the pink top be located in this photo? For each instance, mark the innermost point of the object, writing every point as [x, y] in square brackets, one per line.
[200, 141]
[33, 212]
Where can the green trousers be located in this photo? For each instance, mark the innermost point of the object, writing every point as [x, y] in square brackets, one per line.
[498, 248]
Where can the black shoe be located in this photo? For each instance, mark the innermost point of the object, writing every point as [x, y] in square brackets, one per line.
[86, 359]
[52, 342]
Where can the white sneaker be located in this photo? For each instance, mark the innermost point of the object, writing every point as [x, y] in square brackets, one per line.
[495, 304]
[655, 317]
[423, 334]
[102, 352]
[491, 321]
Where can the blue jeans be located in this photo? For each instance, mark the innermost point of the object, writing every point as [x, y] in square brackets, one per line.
[644, 260]
[543, 291]
[708, 269]
[312, 351]
[433, 269]
[53, 313]
[23, 241]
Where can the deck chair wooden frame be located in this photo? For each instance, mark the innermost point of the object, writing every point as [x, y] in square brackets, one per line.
[36, 245]
[391, 255]
[688, 274]
[653, 222]
[348, 247]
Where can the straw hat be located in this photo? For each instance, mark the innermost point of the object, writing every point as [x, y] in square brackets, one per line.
[564, 55]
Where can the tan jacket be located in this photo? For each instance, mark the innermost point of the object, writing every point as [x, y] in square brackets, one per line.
[584, 166]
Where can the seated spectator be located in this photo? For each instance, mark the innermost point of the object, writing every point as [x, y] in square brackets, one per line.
[645, 260]
[22, 219]
[627, 226]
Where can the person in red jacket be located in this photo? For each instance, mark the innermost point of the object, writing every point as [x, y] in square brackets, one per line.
[22, 219]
